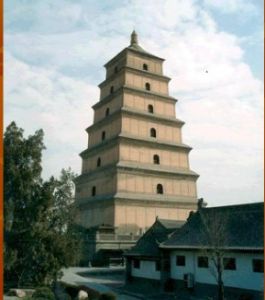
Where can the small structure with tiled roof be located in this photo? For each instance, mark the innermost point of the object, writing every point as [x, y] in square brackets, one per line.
[235, 233]
[241, 224]
[144, 259]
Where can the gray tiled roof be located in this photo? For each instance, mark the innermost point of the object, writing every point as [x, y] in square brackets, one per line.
[238, 227]
[148, 244]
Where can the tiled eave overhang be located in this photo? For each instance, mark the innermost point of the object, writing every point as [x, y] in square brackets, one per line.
[135, 139]
[202, 247]
[142, 256]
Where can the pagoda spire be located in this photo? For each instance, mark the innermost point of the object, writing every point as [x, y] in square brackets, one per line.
[134, 38]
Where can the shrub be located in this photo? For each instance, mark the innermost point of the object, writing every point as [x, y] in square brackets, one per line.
[245, 297]
[107, 296]
[72, 291]
[169, 285]
[43, 293]
[92, 294]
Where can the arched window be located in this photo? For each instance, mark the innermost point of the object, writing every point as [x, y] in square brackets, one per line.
[147, 86]
[107, 112]
[152, 132]
[159, 189]
[93, 191]
[156, 159]
[99, 162]
[111, 89]
[103, 135]
[145, 67]
[150, 108]
[116, 69]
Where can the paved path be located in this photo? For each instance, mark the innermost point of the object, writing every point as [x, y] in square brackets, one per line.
[71, 277]
[106, 280]
[98, 283]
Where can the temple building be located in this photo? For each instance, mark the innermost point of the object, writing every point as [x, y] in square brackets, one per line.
[136, 167]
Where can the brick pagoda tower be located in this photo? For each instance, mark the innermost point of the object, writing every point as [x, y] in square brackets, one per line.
[136, 166]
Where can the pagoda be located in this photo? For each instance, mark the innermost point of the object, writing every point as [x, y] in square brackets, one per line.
[136, 167]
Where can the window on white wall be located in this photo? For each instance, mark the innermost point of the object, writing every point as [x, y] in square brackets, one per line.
[258, 265]
[229, 263]
[180, 260]
[166, 265]
[158, 266]
[203, 262]
[136, 263]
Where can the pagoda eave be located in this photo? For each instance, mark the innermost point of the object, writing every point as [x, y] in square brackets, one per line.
[137, 113]
[155, 169]
[136, 71]
[135, 90]
[128, 49]
[139, 198]
[136, 139]
[142, 169]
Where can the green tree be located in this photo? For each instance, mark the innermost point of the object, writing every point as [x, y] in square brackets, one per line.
[40, 236]
[215, 230]
[22, 183]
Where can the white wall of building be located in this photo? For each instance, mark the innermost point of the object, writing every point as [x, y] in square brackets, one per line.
[243, 277]
[147, 270]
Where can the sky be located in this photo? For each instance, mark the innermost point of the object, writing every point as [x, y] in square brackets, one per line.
[54, 57]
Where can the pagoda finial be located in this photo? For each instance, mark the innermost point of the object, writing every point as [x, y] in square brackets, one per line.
[134, 39]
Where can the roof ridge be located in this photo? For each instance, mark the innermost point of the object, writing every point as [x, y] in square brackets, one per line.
[235, 205]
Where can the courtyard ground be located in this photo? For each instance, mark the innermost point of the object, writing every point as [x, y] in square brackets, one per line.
[112, 279]
[99, 279]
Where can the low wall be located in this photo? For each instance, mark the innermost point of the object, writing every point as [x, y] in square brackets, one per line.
[209, 290]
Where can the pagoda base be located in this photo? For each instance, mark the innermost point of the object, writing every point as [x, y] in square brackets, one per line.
[130, 214]
[104, 247]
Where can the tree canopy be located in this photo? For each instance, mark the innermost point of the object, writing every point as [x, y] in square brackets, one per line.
[39, 232]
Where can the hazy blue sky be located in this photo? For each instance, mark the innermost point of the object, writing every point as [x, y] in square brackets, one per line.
[54, 57]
